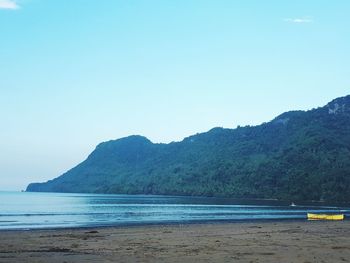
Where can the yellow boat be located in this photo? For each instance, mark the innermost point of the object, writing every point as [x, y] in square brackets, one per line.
[325, 216]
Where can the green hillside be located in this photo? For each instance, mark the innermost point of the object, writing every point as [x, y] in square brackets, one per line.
[300, 155]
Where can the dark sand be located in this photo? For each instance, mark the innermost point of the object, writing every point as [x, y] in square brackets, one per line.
[301, 241]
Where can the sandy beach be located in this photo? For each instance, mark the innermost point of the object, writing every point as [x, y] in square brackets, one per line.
[300, 241]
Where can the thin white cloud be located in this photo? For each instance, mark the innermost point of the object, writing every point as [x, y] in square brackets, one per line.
[299, 20]
[8, 4]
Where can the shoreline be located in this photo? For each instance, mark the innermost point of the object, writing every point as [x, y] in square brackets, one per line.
[287, 202]
[277, 241]
[159, 224]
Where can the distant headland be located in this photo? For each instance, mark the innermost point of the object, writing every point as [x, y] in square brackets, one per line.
[299, 155]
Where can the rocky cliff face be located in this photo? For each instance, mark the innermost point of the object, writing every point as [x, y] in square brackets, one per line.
[339, 106]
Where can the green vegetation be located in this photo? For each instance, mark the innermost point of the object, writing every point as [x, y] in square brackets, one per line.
[297, 156]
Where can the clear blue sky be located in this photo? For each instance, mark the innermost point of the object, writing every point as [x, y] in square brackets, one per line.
[74, 73]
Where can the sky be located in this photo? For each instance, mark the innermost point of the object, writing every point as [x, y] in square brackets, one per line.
[74, 73]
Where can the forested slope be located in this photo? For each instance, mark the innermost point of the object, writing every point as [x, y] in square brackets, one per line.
[300, 155]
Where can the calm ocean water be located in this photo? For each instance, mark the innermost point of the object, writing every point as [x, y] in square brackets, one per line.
[56, 210]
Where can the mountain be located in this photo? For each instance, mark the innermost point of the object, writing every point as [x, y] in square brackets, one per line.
[300, 155]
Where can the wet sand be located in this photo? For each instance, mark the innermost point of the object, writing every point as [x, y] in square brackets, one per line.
[300, 241]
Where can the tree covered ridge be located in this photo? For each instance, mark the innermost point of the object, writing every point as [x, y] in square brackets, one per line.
[300, 155]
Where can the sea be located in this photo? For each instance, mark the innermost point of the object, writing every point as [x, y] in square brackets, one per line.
[26, 211]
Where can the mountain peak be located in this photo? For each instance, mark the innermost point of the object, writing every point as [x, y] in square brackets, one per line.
[132, 139]
[135, 138]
